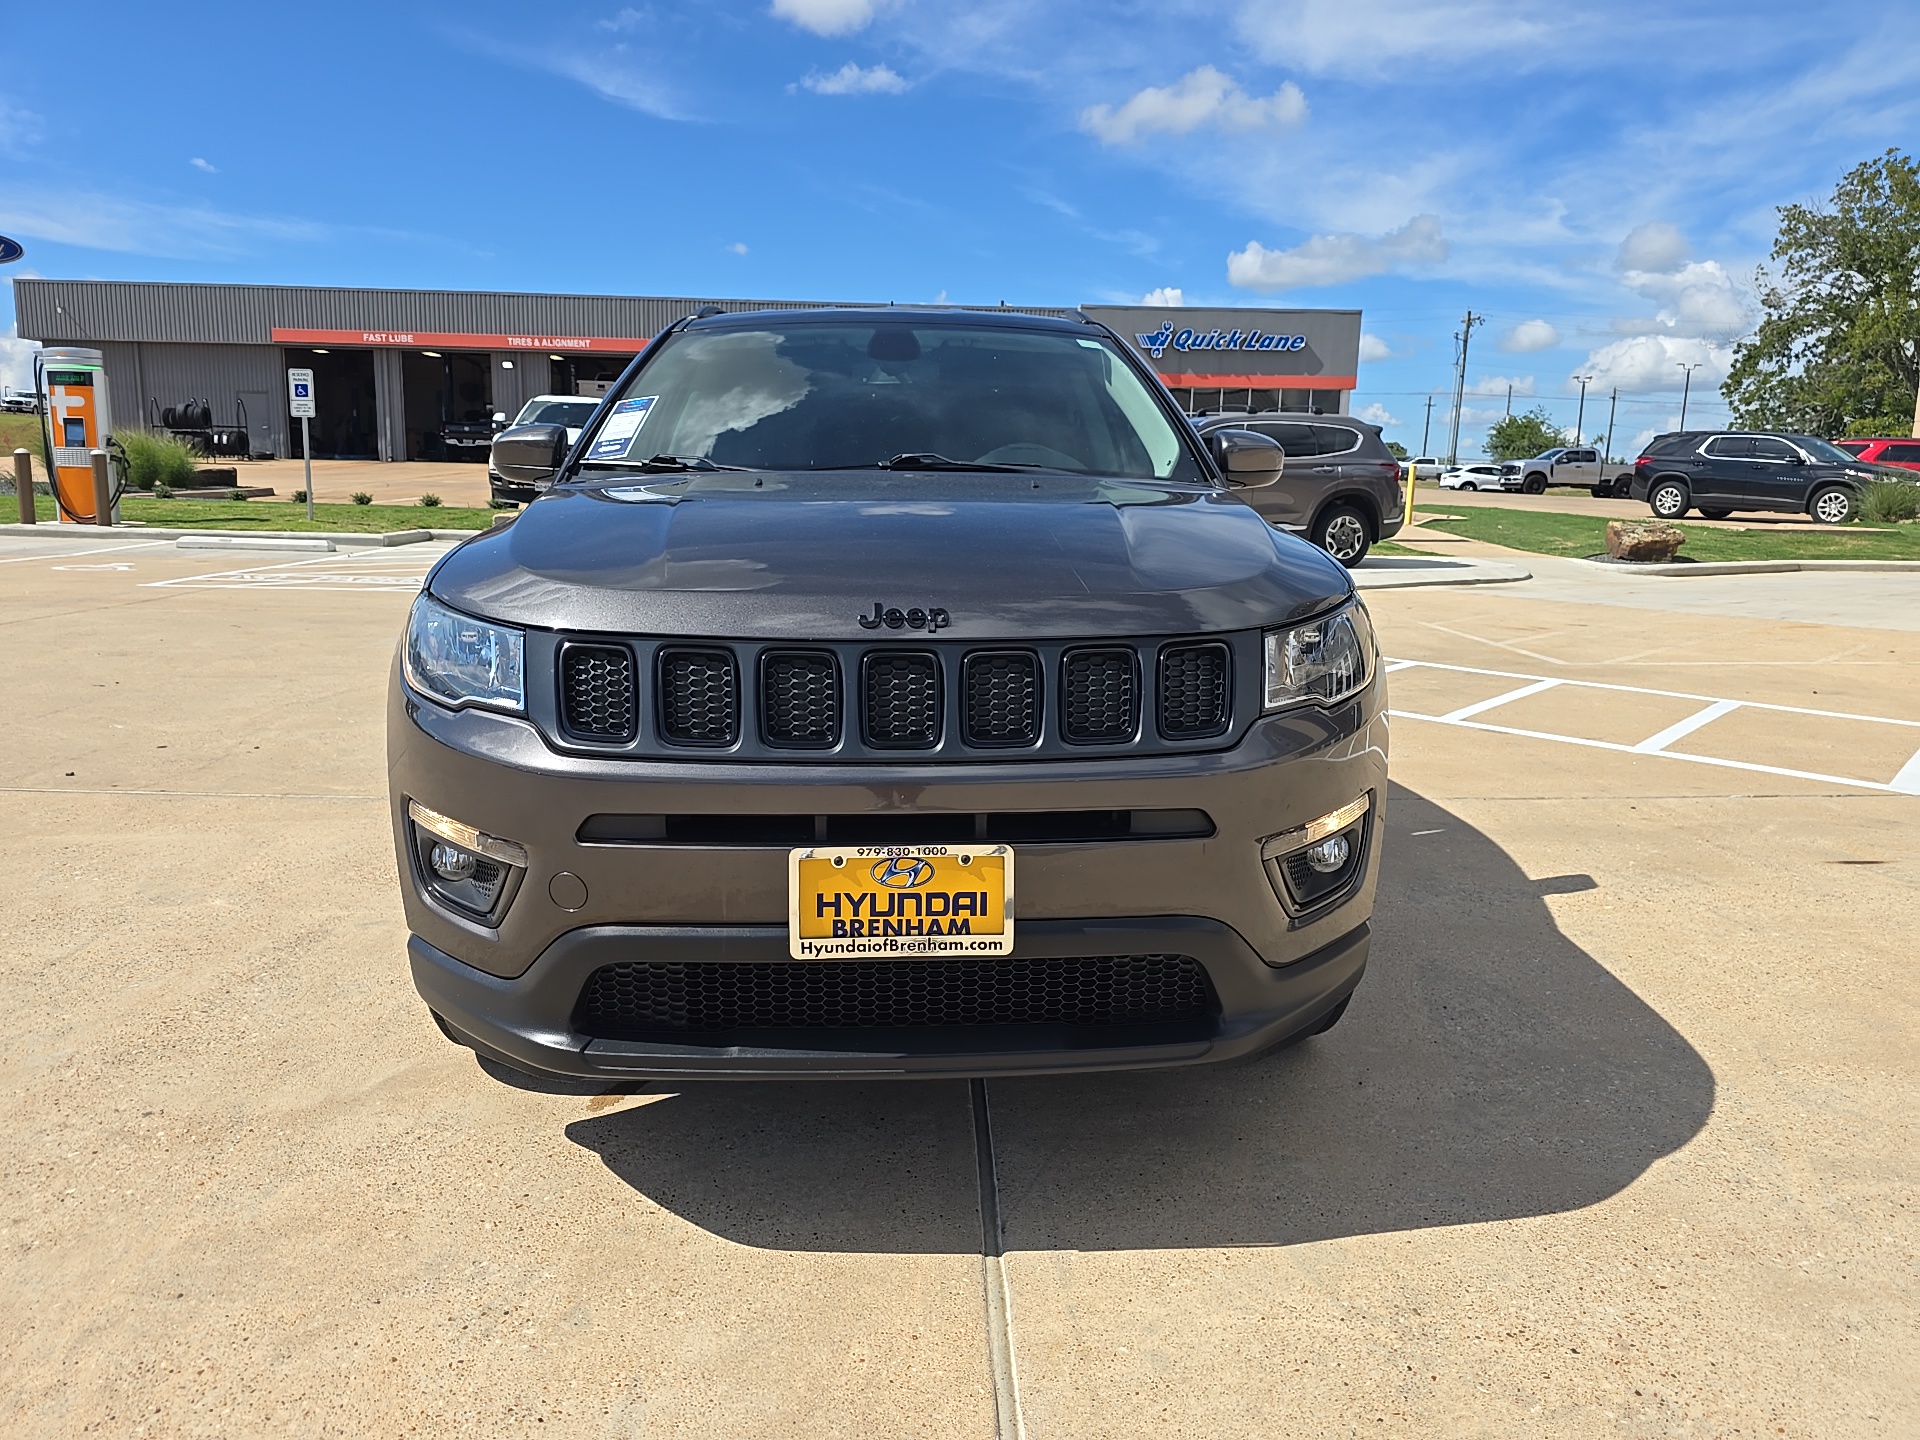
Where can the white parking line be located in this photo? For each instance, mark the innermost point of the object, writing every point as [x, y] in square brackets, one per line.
[119, 548]
[1906, 782]
[381, 573]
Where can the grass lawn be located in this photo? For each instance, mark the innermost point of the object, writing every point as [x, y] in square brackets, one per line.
[1389, 547]
[273, 515]
[1544, 533]
[21, 432]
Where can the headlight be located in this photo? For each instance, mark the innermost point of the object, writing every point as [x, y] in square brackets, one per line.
[1327, 660]
[459, 660]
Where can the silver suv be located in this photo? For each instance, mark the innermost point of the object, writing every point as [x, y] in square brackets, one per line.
[886, 693]
[1341, 486]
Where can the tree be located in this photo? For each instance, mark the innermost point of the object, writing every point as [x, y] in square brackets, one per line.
[1396, 449]
[1521, 437]
[1838, 349]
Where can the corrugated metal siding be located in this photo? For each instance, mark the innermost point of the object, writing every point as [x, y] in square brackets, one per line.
[145, 379]
[91, 312]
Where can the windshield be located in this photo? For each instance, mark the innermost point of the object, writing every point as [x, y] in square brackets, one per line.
[830, 396]
[1824, 450]
[571, 413]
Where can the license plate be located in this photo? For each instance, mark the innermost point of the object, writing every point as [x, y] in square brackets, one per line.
[878, 902]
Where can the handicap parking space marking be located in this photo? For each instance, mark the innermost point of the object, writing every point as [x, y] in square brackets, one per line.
[380, 574]
[1712, 708]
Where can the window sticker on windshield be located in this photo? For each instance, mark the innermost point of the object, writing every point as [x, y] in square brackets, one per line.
[617, 435]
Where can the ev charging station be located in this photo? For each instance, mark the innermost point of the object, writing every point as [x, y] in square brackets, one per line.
[79, 419]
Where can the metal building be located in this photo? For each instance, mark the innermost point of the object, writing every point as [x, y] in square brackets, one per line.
[392, 368]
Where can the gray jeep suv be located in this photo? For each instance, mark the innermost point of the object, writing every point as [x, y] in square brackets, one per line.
[1341, 487]
[885, 692]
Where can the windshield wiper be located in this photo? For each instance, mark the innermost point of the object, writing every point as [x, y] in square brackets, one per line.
[659, 463]
[927, 460]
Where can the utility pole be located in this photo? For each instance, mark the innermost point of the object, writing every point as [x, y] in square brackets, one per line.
[1427, 429]
[1509, 402]
[1686, 387]
[1580, 424]
[1465, 337]
[1612, 405]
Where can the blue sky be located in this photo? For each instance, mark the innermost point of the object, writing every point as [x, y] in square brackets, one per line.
[1597, 181]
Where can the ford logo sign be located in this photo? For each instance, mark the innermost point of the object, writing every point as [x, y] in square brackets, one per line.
[10, 250]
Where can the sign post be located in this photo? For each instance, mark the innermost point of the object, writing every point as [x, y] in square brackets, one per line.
[300, 406]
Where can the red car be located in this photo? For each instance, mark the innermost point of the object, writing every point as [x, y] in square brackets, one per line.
[1904, 452]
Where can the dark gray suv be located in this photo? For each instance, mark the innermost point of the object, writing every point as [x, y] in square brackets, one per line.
[1341, 487]
[886, 693]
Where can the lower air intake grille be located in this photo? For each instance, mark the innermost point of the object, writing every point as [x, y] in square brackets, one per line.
[1195, 687]
[1003, 698]
[903, 701]
[596, 691]
[800, 699]
[632, 1002]
[1099, 696]
[699, 697]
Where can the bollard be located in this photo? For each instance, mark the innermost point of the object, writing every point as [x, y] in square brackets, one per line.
[23, 484]
[102, 489]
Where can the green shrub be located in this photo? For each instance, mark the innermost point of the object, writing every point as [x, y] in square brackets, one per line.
[503, 505]
[360, 497]
[299, 497]
[162, 490]
[157, 459]
[1887, 502]
[236, 493]
[430, 501]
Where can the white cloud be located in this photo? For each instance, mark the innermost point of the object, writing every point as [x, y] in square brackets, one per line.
[1376, 414]
[1364, 37]
[1335, 259]
[1497, 384]
[109, 222]
[1653, 246]
[615, 73]
[1528, 336]
[19, 129]
[738, 247]
[200, 164]
[1372, 347]
[850, 79]
[1203, 97]
[1698, 299]
[1644, 364]
[828, 17]
[1165, 295]
[16, 360]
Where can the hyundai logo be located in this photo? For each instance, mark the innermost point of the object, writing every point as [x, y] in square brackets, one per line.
[897, 873]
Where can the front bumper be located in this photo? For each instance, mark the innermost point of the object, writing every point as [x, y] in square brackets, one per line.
[527, 1020]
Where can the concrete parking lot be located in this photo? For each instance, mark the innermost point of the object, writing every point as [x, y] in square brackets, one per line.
[1616, 1138]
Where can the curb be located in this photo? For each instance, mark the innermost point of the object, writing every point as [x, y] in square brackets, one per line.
[1754, 567]
[144, 532]
[1404, 572]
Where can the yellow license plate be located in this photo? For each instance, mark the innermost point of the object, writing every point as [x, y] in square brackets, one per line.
[853, 902]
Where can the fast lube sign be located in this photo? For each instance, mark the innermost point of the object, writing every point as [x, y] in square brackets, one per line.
[1157, 342]
[1246, 346]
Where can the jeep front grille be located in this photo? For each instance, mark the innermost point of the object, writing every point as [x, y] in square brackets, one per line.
[677, 1000]
[699, 697]
[1100, 696]
[1003, 698]
[1195, 690]
[800, 699]
[903, 700]
[596, 692]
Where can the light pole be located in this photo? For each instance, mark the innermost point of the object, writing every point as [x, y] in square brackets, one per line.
[1580, 424]
[1612, 405]
[1686, 387]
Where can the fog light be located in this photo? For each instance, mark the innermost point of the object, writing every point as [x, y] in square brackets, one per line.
[452, 863]
[1329, 855]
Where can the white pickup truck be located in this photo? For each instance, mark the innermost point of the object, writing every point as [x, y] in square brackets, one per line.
[1568, 465]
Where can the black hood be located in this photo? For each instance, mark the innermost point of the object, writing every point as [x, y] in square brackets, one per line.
[786, 556]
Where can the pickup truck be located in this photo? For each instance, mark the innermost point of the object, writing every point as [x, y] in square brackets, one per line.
[1568, 465]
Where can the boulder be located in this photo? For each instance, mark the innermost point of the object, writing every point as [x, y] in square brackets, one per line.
[1644, 542]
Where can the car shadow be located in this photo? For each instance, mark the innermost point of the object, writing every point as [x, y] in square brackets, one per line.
[1488, 1069]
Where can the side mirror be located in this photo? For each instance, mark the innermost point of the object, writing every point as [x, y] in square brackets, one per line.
[1246, 458]
[499, 417]
[530, 454]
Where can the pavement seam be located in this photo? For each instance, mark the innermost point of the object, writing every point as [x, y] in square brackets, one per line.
[1009, 1422]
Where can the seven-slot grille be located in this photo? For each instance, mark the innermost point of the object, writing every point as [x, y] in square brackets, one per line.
[596, 692]
[1003, 698]
[1100, 696]
[903, 700]
[800, 699]
[1196, 686]
[699, 697]
[636, 1001]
